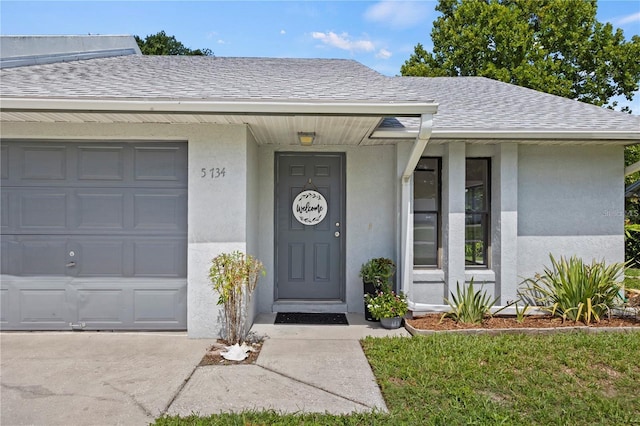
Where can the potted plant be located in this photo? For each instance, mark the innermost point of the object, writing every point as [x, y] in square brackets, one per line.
[387, 306]
[376, 276]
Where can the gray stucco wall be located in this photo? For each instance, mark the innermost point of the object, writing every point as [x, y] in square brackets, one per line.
[570, 202]
[565, 200]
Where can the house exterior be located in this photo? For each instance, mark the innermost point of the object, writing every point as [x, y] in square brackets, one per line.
[124, 175]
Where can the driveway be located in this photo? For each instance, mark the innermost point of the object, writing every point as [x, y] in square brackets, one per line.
[86, 378]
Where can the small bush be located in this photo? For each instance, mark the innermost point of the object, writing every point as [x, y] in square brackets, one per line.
[378, 271]
[574, 290]
[632, 245]
[234, 276]
[386, 304]
[469, 306]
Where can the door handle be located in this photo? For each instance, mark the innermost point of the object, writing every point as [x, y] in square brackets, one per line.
[71, 264]
[337, 234]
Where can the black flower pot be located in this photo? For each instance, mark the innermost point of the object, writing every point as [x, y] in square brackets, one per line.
[369, 288]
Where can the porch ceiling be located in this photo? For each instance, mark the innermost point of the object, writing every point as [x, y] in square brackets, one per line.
[267, 129]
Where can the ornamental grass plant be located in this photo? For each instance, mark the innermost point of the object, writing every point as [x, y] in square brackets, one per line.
[469, 306]
[576, 291]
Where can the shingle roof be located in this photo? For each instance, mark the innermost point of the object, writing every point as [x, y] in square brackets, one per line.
[465, 103]
[478, 103]
[192, 77]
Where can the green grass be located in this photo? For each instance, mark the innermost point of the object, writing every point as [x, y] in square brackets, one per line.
[446, 379]
[632, 278]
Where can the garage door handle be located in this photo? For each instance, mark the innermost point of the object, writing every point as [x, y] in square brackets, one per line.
[71, 264]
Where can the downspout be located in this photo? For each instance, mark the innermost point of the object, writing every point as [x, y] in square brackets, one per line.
[406, 212]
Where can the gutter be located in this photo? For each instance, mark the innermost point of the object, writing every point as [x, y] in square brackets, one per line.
[406, 213]
[512, 134]
[141, 106]
[21, 61]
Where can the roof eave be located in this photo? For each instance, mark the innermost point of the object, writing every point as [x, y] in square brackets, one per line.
[382, 109]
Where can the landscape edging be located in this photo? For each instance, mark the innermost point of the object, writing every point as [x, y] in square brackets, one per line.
[531, 331]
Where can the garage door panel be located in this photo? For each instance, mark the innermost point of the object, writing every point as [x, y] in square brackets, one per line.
[160, 258]
[10, 250]
[162, 210]
[4, 306]
[101, 163]
[44, 162]
[4, 162]
[158, 306]
[4, 211]
[100, 258]
[101, 208]
[43, 209]
[43, 256]
[35, 303]
[158, 163]
[44, 306]
[101, 306]
[4, 259]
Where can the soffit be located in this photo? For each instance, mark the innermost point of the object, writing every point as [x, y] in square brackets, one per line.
[267, 129]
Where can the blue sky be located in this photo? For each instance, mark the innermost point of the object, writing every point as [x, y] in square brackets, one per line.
[380, 34]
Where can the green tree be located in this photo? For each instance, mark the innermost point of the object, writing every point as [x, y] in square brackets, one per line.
[162, 44]
[554, 46]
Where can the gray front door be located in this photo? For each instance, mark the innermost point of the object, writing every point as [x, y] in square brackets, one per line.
[93, 234]
[310, 258]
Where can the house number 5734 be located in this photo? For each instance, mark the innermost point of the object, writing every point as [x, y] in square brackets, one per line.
[213, 173]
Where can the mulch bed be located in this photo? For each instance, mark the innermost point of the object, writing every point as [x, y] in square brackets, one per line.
[213, 357]
[436, 323]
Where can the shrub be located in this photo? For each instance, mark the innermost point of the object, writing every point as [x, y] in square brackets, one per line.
[378, 271]
[632, 245]
[234, 276]
[469, 306]
[574, 290]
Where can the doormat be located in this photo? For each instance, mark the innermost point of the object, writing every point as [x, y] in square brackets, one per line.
[311, 318]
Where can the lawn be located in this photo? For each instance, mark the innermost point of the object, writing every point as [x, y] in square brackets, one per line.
[445, 379]
[632, 278]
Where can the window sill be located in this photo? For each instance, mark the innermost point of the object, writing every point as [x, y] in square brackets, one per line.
[480, 275]
[428, 275]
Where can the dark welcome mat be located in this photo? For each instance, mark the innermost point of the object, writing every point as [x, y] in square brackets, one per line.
[311, 318]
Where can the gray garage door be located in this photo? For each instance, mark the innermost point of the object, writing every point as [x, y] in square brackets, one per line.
[93, 235]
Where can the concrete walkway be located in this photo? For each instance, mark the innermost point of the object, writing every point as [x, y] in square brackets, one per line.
[301, 368]
[132, 378]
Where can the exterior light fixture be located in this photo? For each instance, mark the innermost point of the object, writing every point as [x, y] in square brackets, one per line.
[306, 138]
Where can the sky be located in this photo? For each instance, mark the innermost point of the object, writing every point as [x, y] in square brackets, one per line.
[379, 34]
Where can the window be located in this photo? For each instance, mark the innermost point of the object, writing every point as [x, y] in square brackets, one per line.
[426, 212]
[477, 201]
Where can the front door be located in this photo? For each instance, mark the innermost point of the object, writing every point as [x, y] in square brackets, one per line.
[310, 243]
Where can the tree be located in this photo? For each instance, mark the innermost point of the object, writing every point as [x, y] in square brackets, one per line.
[162, 44]
[554, 46]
